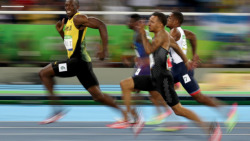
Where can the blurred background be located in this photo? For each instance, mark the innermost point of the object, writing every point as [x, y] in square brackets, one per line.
[30, 41]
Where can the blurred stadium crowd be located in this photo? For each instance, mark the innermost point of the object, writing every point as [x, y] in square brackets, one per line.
[31, 39]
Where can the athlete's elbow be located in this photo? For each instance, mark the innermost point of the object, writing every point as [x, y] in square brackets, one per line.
[102, 27]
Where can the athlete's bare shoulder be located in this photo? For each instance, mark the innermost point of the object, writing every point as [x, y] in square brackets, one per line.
[165, 38]
[80, 18]
[175, 33]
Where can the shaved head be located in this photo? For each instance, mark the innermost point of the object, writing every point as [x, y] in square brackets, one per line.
[75, 1]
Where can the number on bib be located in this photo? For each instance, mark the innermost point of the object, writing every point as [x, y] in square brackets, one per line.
[152, 61]
[68, 42]
[62, 67]
[186, 78]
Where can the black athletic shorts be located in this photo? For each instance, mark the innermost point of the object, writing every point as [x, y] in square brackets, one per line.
[163, 83]
[76, 67]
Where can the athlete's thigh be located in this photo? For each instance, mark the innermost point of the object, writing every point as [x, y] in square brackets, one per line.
[165, 85]
[66, 68]
[144, 70]
[86, 75]
[188, 82]
[143, 82]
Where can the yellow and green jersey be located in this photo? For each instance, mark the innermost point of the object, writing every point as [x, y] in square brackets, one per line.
[74, 41]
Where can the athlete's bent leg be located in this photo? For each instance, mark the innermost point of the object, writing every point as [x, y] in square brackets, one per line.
[103, 98]
[184, 112]
[158, 100]
[127, 87]
[209, 101]
[46, 75]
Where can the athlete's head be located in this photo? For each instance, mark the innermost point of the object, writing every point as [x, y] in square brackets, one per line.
[175, 19]
[157, 21]
[133, 21]
[71, 7]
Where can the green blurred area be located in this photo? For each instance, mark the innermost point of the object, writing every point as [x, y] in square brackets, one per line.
[42, 43]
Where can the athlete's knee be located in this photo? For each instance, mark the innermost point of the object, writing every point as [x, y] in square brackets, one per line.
[46, 71]
[178, 110]
[42, 73]
[200, 98]
[98, 98]
[126, 84]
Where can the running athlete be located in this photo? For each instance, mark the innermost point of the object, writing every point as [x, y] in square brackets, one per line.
[161, 79]
[142, 67]
[79, 62]
[184, 76]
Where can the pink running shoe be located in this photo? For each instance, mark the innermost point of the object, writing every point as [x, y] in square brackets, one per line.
[138, 126]
[232, 118]
[216, 134]
[159, 119]
[54, 118]
[119, 125]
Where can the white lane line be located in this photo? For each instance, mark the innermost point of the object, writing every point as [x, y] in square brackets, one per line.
[111, 134]
[239, 122]
[13, 6]
[97, 127]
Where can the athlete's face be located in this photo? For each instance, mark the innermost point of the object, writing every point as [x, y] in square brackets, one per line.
[154, 23]
[132, 23]
[71, 7]
[171, 21]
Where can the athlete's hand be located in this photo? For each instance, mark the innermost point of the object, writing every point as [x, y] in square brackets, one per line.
[60, 25]
[197, 59]
[194, 63]
[101, 55]
[191, 65]
[141, 26]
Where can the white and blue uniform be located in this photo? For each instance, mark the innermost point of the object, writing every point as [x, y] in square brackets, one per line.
[179, 70]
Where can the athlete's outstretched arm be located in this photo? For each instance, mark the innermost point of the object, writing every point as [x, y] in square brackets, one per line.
[84, 21]
[193, 41]
[59, 27]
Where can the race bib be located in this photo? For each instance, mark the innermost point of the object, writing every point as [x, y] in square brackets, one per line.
[138, 71]
[68, 42]
[186, 78]
[62, 67]
[152, 61]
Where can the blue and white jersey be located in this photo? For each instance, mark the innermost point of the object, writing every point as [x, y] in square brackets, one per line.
[139, 49]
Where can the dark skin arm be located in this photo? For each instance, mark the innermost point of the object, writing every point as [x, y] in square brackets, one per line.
[59, 27]
[82, 21]
[193, 41]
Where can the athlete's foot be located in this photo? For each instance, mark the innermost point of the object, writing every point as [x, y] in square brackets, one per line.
[138, 126]
[55, 117]
[122, 124]
[171, 127]
[215, 132]
[159, 118]
[232, 118]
